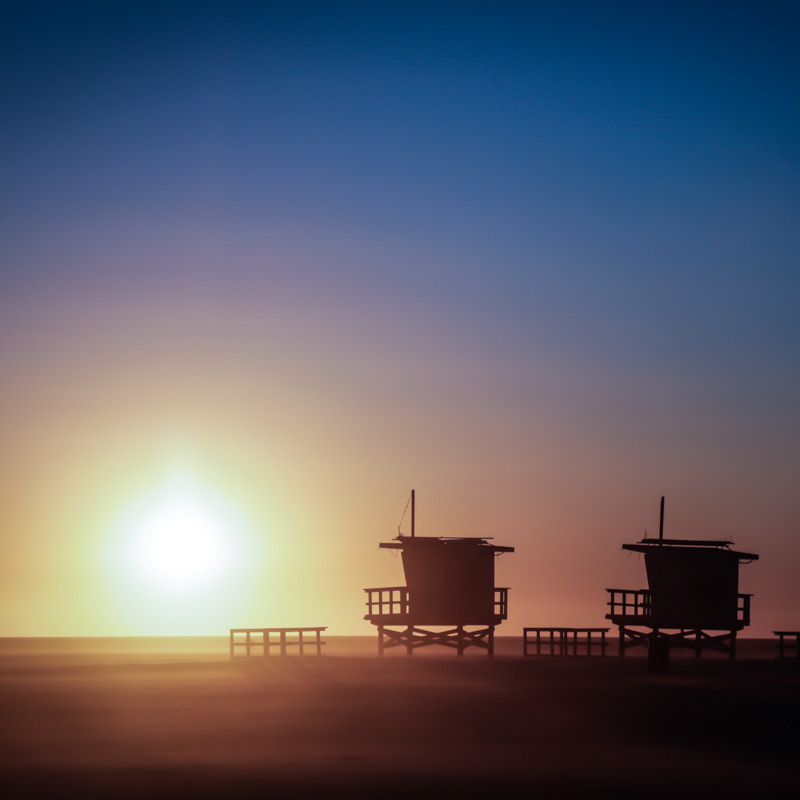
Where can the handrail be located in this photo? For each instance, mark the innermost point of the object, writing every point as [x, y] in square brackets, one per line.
[743, 608]
[391, 600]
[633, 603]
[639, 603]
[386, 601]
[501, 601]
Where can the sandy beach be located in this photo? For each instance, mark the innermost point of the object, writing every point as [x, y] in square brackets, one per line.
[105, 722]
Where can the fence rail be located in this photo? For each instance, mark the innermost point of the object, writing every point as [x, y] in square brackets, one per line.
[260, 641]
[563, 641]
[788, 641]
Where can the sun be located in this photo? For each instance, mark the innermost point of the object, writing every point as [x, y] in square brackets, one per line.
[181, 543]
[183, 557]
[180, 538]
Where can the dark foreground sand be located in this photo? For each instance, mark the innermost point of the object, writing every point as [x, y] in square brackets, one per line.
[182, 724]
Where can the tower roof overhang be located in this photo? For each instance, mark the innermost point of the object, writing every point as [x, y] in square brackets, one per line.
[719, 548]
[444, 541]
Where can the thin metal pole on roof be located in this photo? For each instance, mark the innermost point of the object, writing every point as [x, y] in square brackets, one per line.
[413, 511]
[661, 525]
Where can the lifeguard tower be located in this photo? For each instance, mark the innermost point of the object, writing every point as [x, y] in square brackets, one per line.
[449, 599]
[692, 600]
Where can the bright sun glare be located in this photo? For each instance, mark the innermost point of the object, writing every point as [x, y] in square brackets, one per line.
[182, 558]
[180, 538]
[181, 543]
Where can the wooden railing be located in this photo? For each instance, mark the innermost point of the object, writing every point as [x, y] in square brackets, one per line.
[563, 641]
[394, 601]
[260, 641]
[639, 603]
[501, 602]
[743, 608]
[388, 601]
[788, 641]
[630, 602]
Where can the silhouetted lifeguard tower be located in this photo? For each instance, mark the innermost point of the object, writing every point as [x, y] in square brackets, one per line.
[450, 585]
[692, 599]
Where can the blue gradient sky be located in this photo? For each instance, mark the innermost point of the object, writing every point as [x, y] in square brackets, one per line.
[539, 260]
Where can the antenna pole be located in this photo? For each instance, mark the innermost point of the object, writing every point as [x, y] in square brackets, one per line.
[661, 525]
[413, 512]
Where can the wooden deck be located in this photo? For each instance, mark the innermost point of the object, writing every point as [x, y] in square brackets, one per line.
[259, 642]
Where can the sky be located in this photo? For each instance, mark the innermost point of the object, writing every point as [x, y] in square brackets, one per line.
[272, 265]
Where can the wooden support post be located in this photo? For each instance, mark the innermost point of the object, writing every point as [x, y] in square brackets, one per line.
[409, 641]
[460, 639]
[380, 640]
[491, 641]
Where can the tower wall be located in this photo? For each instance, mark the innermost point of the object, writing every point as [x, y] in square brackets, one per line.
[693, 588]
[449, 583]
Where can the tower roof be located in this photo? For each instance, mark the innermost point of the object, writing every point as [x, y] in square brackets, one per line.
[721, 547]
[402, 542]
